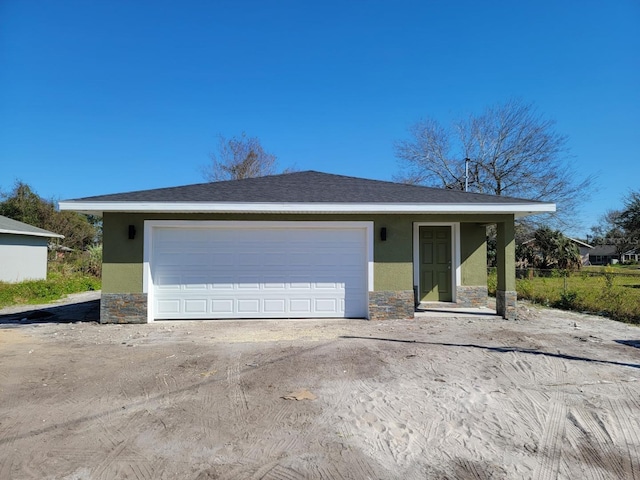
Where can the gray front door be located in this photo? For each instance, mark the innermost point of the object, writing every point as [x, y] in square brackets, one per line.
[435, 264]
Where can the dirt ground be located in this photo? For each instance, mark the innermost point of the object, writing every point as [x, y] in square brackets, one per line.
[552, 395]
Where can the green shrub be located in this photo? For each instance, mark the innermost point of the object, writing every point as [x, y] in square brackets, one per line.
[568, 300]
[492, 281]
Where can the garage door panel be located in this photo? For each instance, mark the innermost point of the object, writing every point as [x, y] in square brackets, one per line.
[248, 283]
[274, 283]
[259, 273]
[275, 305]
[195, 282]
[168, 282]
[250, 306]
[327, 305]
[198, 305]
[168, 307]
[222, 306]
[300, 305]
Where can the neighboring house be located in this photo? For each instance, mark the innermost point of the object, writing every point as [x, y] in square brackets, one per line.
[603, 255]
[583, 247]
[299, 245]
[23, 251]
[632, 255]
[608, 254]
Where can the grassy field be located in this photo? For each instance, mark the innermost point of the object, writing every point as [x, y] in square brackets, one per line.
[62, 279]
[610, 291]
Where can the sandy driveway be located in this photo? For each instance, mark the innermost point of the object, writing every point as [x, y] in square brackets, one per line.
[555, 395]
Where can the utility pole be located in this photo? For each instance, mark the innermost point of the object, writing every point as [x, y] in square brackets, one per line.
[466, 174]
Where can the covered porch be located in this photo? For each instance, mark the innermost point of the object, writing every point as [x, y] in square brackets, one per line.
[450, 268]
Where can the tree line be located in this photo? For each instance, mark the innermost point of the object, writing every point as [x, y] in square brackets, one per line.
[21, 203]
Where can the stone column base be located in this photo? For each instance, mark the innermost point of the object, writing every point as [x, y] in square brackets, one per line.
[387, 304]
[123, 308]
[506, 302]
[472, 296]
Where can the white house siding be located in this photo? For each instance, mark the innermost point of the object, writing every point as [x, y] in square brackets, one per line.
[22, 257]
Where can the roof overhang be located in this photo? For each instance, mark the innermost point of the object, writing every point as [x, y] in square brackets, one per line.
[31, 234]
[517, 209]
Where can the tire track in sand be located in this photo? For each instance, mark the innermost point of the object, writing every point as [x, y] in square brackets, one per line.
[623, 413]
[594, 442]
[553, 433]
[237, 395]
[9, 432]
[276, 471]
[334, 414]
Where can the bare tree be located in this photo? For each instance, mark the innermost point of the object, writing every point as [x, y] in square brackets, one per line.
[511, 149]
[239, 157]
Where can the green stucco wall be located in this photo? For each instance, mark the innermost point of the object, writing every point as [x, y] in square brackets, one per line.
[122, 258]
[473, 254]
[393, 269]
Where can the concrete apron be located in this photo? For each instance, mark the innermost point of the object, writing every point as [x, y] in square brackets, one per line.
[442, 310]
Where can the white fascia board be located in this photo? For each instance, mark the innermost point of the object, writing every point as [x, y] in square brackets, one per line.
[519, 209]
[31, 234]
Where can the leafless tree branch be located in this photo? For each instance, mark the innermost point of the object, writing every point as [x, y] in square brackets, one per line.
[514, 151]
[238, 158]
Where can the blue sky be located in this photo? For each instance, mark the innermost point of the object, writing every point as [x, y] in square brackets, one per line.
[112, 96]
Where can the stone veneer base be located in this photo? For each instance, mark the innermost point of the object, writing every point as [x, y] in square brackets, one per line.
[132, 307]
[123, 308]
[471, 296]
[506, 303]
[389, 304]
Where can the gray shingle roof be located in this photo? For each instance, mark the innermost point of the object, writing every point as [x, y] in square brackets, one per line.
[8, 225]
[306, 187]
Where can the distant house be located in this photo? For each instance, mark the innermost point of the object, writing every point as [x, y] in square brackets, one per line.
[603, 255]
[23, 251]
[632, 255]
[584, 248]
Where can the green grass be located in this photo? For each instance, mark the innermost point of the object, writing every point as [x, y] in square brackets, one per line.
[62, 279]
[612, 292]
[622, 269]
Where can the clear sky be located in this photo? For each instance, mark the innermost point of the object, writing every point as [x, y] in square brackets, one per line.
[111, 96]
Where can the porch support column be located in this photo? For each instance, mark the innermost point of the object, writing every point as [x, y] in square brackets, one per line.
[506, 256]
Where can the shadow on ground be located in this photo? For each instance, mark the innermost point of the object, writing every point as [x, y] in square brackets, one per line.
[506, 349]
[76, 312]
[629, 343]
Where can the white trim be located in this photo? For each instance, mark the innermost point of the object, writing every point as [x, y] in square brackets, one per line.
[31, 234]
[147, 278]
[149, 225]
[456, 278]
[519, 209]
[579, 242]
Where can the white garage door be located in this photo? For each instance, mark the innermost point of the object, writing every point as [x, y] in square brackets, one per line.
[282, 272]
